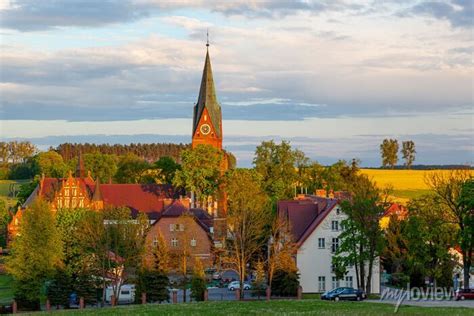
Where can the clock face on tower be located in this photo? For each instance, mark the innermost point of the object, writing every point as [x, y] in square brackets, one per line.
[205, 129]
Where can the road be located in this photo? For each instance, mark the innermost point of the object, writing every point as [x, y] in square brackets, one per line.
[215, 294]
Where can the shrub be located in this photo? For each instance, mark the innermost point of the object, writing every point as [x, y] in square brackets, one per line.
[155, 284]
[285, 283]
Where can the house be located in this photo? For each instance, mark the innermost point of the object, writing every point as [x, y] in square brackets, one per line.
[186, 231]
[315, 224]
[400, 211]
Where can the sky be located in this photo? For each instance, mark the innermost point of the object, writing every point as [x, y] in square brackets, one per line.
[332, 77]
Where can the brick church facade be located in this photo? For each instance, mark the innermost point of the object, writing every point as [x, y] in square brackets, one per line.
[162, 203]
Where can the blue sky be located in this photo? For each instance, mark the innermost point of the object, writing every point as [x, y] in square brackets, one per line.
[333, 77]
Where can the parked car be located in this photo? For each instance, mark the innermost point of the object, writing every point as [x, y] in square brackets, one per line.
[235, 285]
[344, 293]
[464, 294]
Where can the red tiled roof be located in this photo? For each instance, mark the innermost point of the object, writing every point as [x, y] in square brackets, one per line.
[397, 209]
[305, 214]
[177, 209]
[146, 198]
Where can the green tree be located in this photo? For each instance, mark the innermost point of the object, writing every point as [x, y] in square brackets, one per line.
[4, 220]
[155, 284]
[50, 163]
[26, 189]
[246, 219]
[259, 283]
[429, 238]
[361, 240]
[198, 281]
[276, 163]
[132, 169]
[59, 288]
[408, 152]
[168, 168]
[454, 190]
[201, 171]
[102, 166]
[389, 152]
[35, 253]
[285, 283]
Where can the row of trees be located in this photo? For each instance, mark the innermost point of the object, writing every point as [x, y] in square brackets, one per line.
[389, 152]
[149, 152]
[425, 246]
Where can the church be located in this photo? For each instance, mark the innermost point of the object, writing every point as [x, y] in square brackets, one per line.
[162, 203]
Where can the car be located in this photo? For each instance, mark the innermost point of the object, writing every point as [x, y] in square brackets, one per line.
[235, 285]
[464, 294]
[344, 293]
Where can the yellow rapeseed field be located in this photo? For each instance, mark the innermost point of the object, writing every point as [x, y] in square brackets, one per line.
[406, 184]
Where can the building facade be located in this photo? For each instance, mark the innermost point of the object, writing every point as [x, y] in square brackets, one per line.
[315, 224]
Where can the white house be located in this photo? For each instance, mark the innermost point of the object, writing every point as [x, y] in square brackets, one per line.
[315, 224]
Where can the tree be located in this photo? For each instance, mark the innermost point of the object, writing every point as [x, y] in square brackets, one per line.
[201, 171]
[360, 242]
[131, 169]
[198, 281]
[160, 258]
[408, 152]
[429, 237]
[258, 284]
[59, 288]
[26, 189]
[50, 163]
[102, 166]
[155, 284]
[454, 189]
[276, 164]
[246, 219]
[280, 249]
[35, 253]
[285, 283]
[4, 220]
[168, 168]
[389, 152]
[4, 152]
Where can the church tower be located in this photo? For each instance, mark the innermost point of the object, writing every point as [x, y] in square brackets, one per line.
[207, 130]
[207, 118]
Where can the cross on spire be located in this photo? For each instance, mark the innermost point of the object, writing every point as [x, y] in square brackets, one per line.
[207, 34]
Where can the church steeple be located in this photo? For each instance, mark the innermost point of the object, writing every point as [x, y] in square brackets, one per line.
[207, 118]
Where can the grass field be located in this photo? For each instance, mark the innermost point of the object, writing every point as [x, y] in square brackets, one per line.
[406, 184]
[283, 307]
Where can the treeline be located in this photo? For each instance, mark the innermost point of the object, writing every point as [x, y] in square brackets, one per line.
[428, 167]
[148, 152]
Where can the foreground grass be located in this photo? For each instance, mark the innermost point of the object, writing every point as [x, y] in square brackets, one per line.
[282, 307]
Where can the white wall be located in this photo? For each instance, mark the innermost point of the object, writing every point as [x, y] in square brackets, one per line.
[314, 262]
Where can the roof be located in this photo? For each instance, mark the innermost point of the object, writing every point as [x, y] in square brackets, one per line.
[397, 209]
[147, 198]
[305, 214]
[177, 209]
[207, 99]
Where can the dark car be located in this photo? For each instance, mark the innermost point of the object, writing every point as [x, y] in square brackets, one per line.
[464, 294]
[344, 293]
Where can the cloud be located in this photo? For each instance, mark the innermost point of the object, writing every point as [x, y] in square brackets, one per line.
[459, 13]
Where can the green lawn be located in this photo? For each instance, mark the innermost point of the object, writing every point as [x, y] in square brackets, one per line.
[6, 291]
[283, 307]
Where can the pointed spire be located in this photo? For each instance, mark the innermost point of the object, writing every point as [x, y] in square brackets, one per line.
[97, 196]
[207, 98]
[80, 171]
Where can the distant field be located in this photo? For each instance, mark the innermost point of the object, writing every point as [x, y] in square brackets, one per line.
[407, 184]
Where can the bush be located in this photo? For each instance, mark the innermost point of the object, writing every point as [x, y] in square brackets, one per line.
[285, 283]
[198, 287]
[59, 288]
[399, 279]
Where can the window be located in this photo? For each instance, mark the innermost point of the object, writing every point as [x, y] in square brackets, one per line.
[171, 227]
[349, 282]
[181, 227]
[125, 292]
[81, 202]
[322, 284]
[174, 242]
[74, 202]
[193, 242]
[338, 211]
[66, 192]
[155, 241]
[321, 243]
[335, 226]
[66, 203]
[335, 245]
[335, 283]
